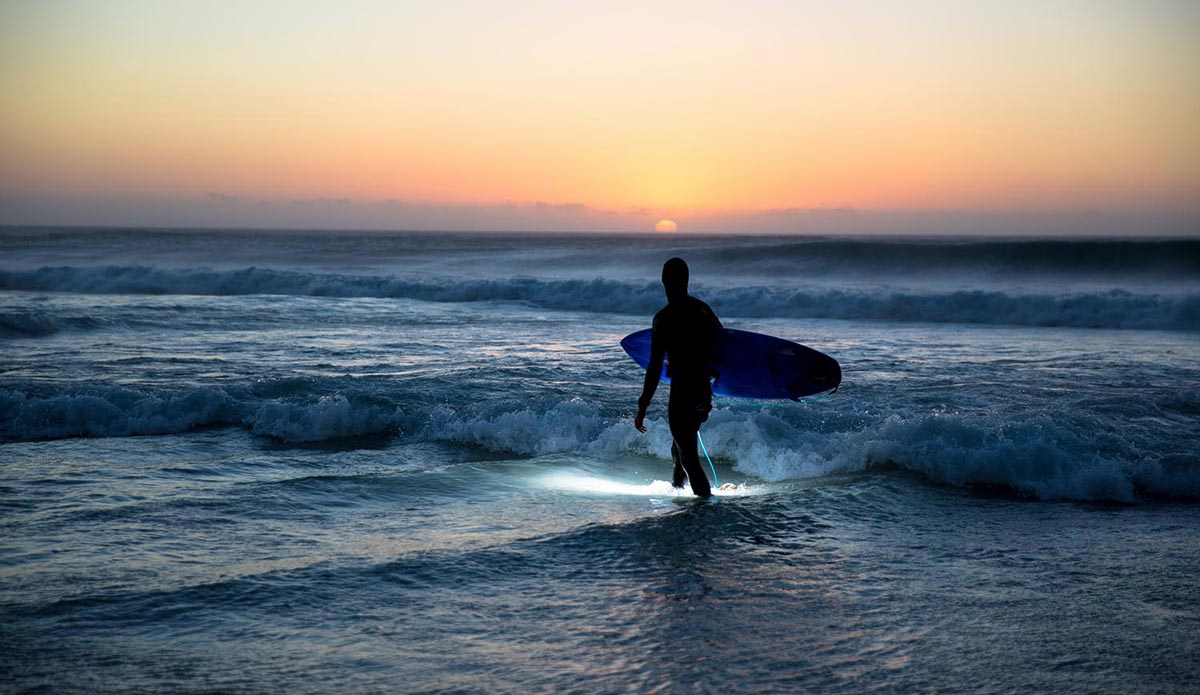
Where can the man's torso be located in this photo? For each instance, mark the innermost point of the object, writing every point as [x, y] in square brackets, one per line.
[687, 329]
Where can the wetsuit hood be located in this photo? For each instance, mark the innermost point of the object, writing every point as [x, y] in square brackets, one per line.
[675, 279]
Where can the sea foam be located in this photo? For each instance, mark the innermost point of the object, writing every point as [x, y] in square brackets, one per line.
[1036, 455]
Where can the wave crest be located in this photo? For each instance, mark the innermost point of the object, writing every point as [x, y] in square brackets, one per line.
[1039, 456]
[117, 412]
[1119, 309]
[27, 324]
[1045, 457]
[331, 417]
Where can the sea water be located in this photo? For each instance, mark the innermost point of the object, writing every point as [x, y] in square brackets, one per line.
[316, 462]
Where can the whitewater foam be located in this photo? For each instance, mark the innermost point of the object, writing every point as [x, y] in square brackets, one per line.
[331, 417]
[1037, 455]
[567, 426]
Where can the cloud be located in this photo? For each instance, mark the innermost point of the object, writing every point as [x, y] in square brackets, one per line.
[221, 210]
[853, 221]
[574, 208]
[216, 209]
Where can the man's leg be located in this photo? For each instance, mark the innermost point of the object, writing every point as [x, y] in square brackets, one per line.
[684, 426]
[679, 476]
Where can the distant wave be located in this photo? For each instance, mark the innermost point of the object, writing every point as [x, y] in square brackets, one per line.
[1088, 257]
[744, 256]
[1104, 309]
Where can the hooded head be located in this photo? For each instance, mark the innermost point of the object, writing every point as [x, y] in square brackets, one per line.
[675, 278]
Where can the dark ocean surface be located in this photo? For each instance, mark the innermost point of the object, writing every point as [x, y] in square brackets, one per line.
[334, 462]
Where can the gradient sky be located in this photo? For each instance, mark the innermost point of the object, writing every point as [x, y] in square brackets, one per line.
[609, 114]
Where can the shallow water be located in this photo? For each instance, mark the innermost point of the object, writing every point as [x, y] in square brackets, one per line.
[224, 480]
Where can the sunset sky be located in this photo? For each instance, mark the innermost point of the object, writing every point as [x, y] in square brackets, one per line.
[595, 115]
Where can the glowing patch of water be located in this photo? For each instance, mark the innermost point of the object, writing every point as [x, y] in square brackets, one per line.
[575, 482]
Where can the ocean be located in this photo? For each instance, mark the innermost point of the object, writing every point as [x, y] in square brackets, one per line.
[312, 462]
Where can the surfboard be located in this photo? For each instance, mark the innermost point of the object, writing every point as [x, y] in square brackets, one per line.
[754, 365]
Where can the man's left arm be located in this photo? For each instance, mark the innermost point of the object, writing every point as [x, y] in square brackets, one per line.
[650, 384]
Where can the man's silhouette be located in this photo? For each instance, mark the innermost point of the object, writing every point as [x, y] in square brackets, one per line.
[684, 331]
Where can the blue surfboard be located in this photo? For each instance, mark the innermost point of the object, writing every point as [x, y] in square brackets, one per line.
[753, 365]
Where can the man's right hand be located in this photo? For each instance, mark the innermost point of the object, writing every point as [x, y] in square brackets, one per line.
[640, 421]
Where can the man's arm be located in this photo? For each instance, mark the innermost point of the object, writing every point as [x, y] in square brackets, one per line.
[650, 385]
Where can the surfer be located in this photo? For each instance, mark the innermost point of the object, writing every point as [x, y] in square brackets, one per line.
[683, 333]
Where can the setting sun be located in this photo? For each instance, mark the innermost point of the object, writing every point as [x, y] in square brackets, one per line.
[594, 121]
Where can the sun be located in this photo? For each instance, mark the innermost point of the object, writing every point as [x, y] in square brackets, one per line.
[666, 226]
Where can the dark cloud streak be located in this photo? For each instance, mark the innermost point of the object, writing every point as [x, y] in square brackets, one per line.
[222, 210]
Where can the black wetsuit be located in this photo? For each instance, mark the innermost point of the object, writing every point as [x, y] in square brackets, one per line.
[684, 332]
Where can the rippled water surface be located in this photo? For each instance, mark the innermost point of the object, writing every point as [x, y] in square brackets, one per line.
[404, 463]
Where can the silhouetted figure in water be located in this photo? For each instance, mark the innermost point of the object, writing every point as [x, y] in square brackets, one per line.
[684, 331]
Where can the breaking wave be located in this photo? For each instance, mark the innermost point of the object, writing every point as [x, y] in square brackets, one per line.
[1036, 455]
[1113, 308]
[119, 412]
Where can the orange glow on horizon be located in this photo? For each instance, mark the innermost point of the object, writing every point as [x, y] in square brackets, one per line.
[794, 108]
[666, 226]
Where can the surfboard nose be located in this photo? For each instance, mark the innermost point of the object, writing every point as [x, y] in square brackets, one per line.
[835, 375]
[825, 375]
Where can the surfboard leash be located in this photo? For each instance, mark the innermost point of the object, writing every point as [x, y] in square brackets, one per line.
[716, 483]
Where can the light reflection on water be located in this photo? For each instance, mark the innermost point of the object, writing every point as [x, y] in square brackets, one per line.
[594, 485]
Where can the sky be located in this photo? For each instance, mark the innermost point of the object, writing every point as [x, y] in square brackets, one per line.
[938, 115]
